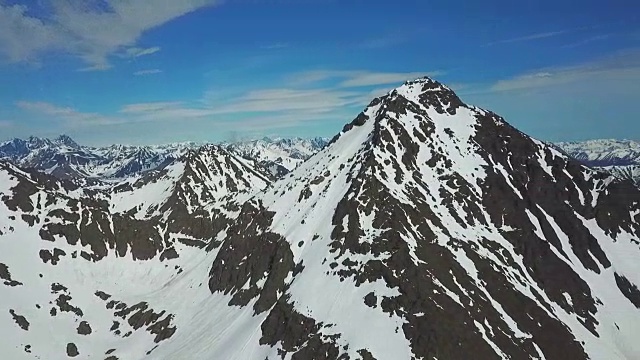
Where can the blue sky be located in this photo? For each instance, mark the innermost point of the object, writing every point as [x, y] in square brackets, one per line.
[155, 71]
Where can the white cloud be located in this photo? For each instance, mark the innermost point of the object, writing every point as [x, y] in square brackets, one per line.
[147, 72]
[153, 111]
[536, 36]
[90, 29]
[371, 79]
[254, 103]
[284, 120]
[352, 79]
[5, 124]
[21, 36]
[134, 52]
[588, 40]
[72, 116]
[623, 65]
[149, 107]
[96, 67]
[286, 99]
[301, 100]
[283, 106]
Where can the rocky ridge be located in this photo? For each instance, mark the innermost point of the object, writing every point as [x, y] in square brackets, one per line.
[427, 228]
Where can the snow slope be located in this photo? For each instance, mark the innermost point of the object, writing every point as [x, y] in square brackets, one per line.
[279, 155]
[120, 306]
[426, 229]
[106, 278]
[203, 176]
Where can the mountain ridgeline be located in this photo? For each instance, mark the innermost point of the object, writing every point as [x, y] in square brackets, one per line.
[64, 158]
[426, 229]
[619, 157]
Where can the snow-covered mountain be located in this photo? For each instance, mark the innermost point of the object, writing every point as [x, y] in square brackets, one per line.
[604, 152]
[64, 158]
[85, 272]
[426, 229]
[620, 157]
[279, 155]
[209, 176]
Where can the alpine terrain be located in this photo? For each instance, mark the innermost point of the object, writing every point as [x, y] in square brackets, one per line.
[426, 229]
[620, 157]
[279, 155]
[62, 157]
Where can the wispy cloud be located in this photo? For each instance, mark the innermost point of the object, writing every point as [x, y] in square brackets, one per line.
[588, 40]
[275, 46]
[175, 110]
[292, 119]
[96, 67]
[536, 36]
[90, 30]
[72, 116]
[625, 64]
[287, 99]
[371, 79]
[134, 52]
[357, 78]
[252, 103]
[5, 124]
[283, 105]
[582, 100]
[149, 107]
[301, 98]
[147, 72]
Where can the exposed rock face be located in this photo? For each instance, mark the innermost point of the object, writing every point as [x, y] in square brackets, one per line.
[20, 320]
[427, 228]
[72, 350]
[456, 232]
[68, 242]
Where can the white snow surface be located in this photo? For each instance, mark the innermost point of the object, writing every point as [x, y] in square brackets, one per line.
[285, 152]
[312, 217]
[208, 328]
[200, 179]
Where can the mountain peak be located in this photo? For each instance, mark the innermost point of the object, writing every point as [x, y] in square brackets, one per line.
[430, 94]
[66, 140]
[428, 229]
[425, 80]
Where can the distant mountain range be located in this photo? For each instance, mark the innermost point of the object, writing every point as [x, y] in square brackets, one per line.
[620, 157]
[63, 158]
[426, 229]
[279, 156]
